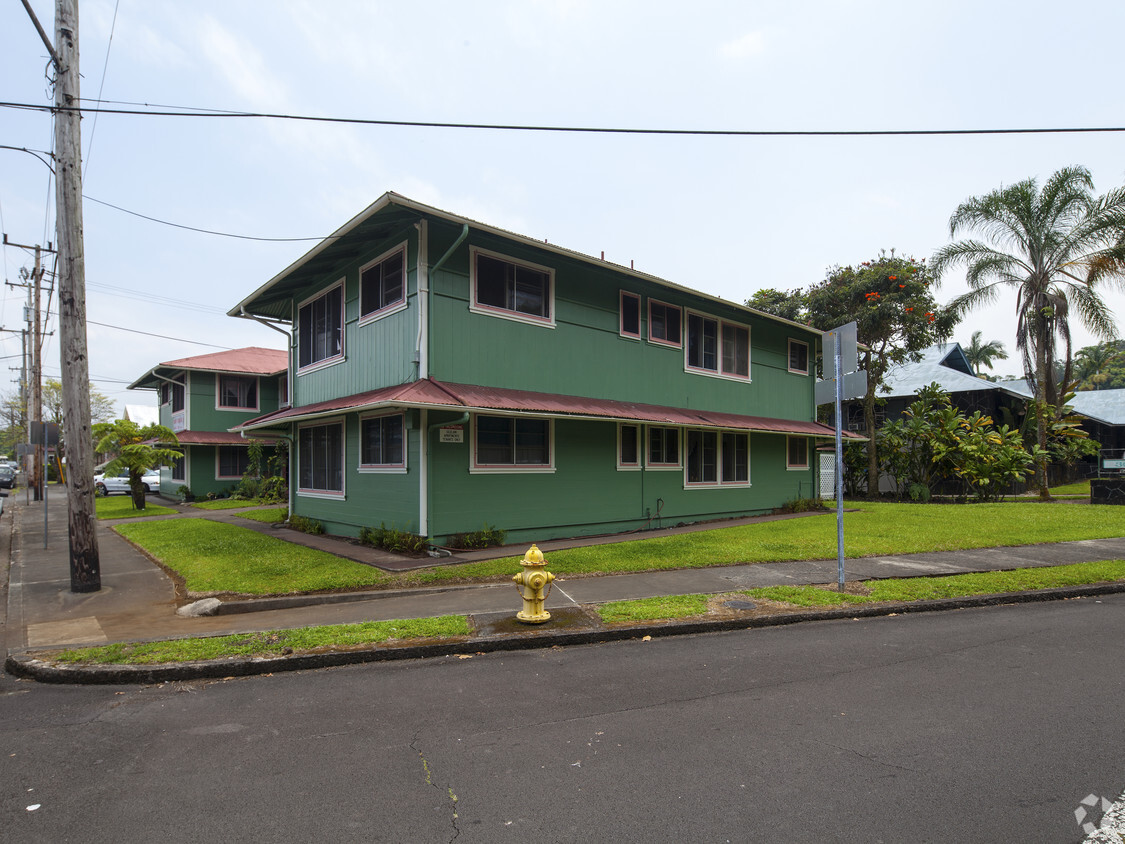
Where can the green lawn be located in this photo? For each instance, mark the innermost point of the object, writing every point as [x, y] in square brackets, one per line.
[224, 558]
[121, 507]
[216, 557]
[878, 528]
[273, 516]
[1080, 488]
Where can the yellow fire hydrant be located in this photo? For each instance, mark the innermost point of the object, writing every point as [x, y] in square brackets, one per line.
[534, 585]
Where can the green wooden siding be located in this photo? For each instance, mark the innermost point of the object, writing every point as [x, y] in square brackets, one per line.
[586, 494]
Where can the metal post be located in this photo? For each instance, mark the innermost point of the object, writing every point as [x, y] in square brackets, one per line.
[839, 466]
[43, 475]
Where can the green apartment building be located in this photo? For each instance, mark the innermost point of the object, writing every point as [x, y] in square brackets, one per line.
[446, 374]
[201, 399]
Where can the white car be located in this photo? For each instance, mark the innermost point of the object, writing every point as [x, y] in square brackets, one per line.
[109, 484]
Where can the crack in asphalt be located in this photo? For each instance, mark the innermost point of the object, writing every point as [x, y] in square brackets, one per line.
[430, 782]
[868, 757]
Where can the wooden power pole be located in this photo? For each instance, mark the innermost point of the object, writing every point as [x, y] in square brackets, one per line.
[85, 565]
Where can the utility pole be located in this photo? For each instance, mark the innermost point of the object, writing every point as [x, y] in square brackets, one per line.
[33, 386]
[85, 563]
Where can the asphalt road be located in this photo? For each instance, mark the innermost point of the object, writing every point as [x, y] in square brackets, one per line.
[978, 725]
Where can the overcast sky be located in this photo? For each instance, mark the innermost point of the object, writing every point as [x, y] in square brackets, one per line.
[723, 215]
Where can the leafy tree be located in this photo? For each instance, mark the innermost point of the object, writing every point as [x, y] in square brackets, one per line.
[981, 354]
[138, 450]
[896, 317]
[1054, 246]
[788, 305]
[1093, 363]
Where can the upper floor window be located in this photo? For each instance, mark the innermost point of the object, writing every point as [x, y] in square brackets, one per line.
[503, 287]
[283, 391]
[508, 442]
[382, 283]
[173, 394]
[663, 323]
[630, 315]
[381, 442]
[320, 328]
[722, 348]
[798, 357]
[238, 392]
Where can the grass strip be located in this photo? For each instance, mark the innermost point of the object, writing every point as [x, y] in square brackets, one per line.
[273, 516]
[217, 557]
[230, 503]
[649, 609]
[121, 507]
[269, 643]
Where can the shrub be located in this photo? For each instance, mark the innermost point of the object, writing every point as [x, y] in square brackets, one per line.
[185, 493]
[483, 538]
[306, 525]
[803, 505]
[392, 539]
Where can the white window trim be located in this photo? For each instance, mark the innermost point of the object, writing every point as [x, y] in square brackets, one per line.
[219, 477]
[789, 357]
[717, 373]
[515, 468]
[683, 327]
[384, 468]
[335, 359]
[621, 294]
[325, 494]
[502, 313]
[392, 308]
[219, 392]
[790, 467]
[631, 467]
[665, 467]
[719, 483]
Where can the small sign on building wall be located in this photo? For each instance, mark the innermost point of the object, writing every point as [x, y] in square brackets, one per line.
[451, 434]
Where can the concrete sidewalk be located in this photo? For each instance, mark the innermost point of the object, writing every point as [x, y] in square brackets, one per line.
[138, 601]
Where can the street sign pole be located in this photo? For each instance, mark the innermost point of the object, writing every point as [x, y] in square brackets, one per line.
[839, 477]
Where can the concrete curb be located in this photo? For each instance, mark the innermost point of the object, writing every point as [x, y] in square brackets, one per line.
[26, 665]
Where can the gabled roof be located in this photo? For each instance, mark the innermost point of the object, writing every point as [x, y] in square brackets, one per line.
[390, 214]
[946, 365]
[252, 360]
[142, 414]
[429, 393]
[1105, 406]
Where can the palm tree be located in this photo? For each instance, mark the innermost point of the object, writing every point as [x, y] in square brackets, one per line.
[1091, 361]
[981, 354]
[1053, 246]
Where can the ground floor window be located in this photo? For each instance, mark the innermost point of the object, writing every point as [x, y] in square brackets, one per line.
[233, 461]
[381, 442]
[320, 459]
[509, 442]
[628, 446]
[714, 458]
[663, 448]
[797, 453]
[179, 469]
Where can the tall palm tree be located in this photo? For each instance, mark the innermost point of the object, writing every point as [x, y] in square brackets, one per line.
[1053, 247]
[1091, 361]
[981, 354]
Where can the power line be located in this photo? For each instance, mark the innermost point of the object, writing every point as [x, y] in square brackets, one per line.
[151, 334]
[188, 111]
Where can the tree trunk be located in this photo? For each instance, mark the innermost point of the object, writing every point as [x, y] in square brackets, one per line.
[1041, 418]
[137, 491]
[872, 455]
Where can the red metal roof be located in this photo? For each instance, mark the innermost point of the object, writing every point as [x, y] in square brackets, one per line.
[431, 393]
[253, 360]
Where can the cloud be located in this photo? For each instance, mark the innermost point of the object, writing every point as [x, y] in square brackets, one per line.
[748, 46]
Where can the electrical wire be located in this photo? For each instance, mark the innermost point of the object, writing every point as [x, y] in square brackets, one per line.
[101, 85]
[150, 334]
[603, 130]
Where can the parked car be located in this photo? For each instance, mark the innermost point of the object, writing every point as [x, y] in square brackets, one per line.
[7, 477]
[109, 484]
